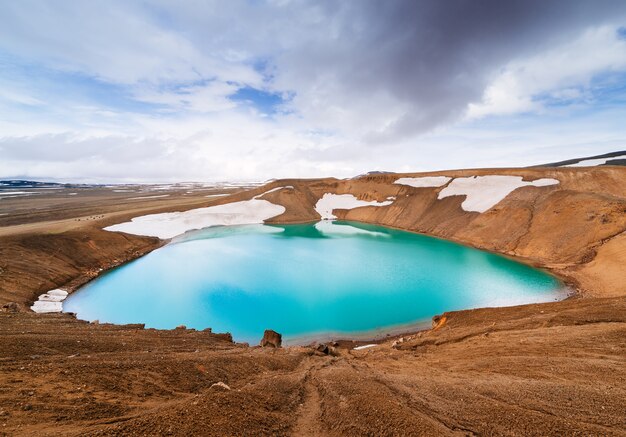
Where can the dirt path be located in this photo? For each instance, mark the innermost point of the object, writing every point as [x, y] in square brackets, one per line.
[309, 412]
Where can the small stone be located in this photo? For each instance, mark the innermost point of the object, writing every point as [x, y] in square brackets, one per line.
[326, 349]
[323, 348]
[220, 385]
[397, 343]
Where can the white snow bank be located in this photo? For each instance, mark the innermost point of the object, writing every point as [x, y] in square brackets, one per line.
[10, 194]
[329, 228]
[484, 192]
[50, 302]
[171, 224]
[150, 197]
[424, 182]
[594, 162]
[365, 346]
[330, 202]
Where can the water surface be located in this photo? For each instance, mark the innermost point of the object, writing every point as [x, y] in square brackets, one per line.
[338, 278]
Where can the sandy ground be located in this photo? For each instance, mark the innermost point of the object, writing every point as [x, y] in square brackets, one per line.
[545, 369]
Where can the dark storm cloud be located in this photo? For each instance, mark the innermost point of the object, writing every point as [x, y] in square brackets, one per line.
[434, 57]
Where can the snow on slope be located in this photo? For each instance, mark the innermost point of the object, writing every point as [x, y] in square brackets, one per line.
[330, 202]
[594, 162]
[484, 192]
[171, 224]
[424, 182]
[50, 302]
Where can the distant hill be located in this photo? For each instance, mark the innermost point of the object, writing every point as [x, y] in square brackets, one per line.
[11, 184]
[20, 183]
[613, 158]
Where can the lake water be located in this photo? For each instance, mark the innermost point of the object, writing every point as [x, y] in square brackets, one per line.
[327, 278]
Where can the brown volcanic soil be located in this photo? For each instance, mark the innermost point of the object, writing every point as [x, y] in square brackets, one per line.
[546, 369]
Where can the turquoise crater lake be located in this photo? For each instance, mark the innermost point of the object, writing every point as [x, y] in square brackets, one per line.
[309, 280]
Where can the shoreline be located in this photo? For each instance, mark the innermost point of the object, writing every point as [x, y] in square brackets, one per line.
[565, 291]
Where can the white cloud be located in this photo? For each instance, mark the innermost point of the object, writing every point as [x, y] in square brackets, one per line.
[114, 41]
[211, 97]
[142, 91]
[560, 73]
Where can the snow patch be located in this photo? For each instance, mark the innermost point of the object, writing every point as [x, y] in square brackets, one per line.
[150, 197]
[329, 228]
[484, 192]
[594, 162]
[10, 194]
[330, 202]
[365, 346]
[171, 224]
[50, 302]
[424, 182]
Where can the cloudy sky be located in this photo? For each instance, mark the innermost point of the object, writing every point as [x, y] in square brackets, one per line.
[197, 90]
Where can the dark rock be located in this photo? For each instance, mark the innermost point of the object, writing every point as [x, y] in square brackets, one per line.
[11, 307]
[271, 338]
[326, 349]
[323, 348]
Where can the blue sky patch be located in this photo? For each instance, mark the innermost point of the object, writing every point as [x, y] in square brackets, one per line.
[264, 101]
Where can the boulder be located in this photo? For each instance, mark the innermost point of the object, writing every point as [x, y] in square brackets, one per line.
[271, 338]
